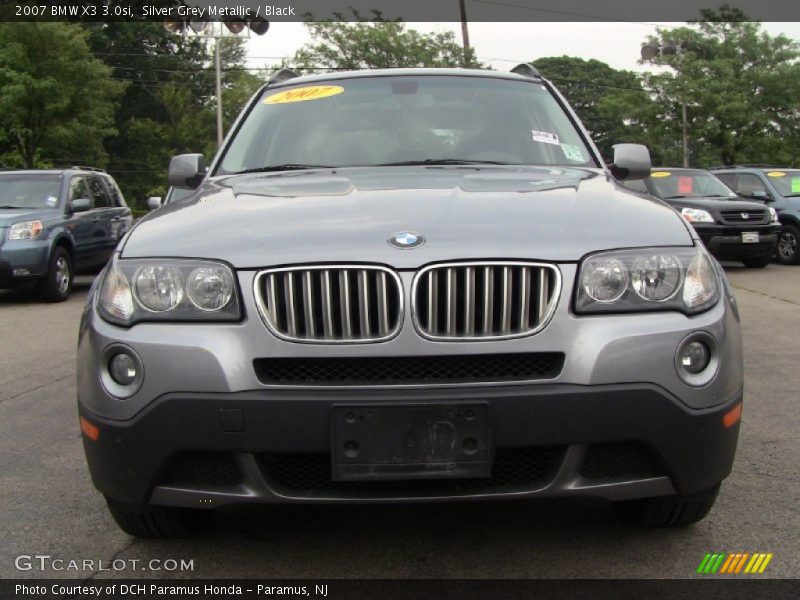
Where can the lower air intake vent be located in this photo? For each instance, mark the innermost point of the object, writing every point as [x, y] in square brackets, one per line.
[409, 369]
[621, 459]
[202, 468]
[514, 469]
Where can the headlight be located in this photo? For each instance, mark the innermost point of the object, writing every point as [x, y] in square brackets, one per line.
[681, 279]
[696, 215]
[27, 230]
[168, 290]
[773, 215]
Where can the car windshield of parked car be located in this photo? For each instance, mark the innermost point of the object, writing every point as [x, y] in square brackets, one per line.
[29, 191]
[396, 120]
[688, 184]
[787, 182]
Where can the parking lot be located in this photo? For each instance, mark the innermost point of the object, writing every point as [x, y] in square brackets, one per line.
[51, 508]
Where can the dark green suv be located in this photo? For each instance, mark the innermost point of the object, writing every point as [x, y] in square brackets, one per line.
[54, 223]
[780, 189]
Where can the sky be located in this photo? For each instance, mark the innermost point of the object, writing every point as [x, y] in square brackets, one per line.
[504, 45]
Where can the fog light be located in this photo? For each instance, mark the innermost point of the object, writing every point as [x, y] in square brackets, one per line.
[122, 368]
[694, 357]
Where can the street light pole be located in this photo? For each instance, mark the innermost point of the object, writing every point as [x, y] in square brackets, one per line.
[649, 52]
[464, 30]
[218, 70]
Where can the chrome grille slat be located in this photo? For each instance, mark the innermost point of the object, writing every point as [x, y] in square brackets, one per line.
[469, 301]
[291, 315]
[486, 300]
[524, 298]
[344, 300]
[330, 304]
[308, 304]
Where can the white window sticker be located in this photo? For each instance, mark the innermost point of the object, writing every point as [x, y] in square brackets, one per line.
[51, 201]
[544, 137]
[573, 153]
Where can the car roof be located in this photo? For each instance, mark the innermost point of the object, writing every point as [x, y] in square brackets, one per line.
[56, 171]
[679, 170]
[399, 72]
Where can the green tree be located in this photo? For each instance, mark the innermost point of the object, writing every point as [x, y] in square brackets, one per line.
[378, 44]
[601, 95]
[56, 99]
[741, 87]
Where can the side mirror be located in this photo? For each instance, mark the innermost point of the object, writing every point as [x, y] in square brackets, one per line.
[186, 171]
[631, 161]
[81, 205]
[154, 202]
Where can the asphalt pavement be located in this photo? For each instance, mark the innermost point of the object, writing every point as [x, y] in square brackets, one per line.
[49, 507]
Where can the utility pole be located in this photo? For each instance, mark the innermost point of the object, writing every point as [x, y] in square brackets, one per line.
[464, 29]
[218, 69]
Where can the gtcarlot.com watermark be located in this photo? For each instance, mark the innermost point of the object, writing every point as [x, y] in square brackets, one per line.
[48, 563]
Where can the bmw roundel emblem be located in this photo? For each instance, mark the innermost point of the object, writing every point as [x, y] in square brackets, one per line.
[406, 240]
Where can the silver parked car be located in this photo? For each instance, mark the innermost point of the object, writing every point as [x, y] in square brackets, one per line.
[407, 286]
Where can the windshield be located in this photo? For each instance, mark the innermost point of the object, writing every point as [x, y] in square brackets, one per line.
[29, 190]
[787, 182]
[688, 184]
[371, 121]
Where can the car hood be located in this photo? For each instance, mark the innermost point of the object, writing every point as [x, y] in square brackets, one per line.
[9, 216]
[348, 215]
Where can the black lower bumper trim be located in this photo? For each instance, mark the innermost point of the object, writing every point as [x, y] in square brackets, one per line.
[691, 447]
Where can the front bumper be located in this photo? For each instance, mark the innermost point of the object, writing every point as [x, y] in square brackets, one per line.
[23, 262]
[725, 242]
[209, 450]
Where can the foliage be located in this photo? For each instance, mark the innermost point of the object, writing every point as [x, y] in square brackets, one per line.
[741, 87]
[601, 96]
[376, 43]
[56, 99]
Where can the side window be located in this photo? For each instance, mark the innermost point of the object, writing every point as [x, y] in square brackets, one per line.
[116, 194]
[637, 185]
[79, 189]
[99, 193]
[728, 179]
[747, 184]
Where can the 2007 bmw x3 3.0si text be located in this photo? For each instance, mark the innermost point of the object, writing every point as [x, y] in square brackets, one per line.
[409, 286]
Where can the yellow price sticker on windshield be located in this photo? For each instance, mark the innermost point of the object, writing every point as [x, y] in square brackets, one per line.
[313, 92]
[660, 174]
[776, 174]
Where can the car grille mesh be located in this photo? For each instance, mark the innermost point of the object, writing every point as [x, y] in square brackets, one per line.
[484, 301]
[409, 369]
[331, 304]
[737, 216]
[202, 468]
[619, 459]
[513, 469]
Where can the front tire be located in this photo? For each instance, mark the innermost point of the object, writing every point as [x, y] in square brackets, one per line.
[154, 522]
[788, 252]
[668, 511]
[57, 282]
[757, 262]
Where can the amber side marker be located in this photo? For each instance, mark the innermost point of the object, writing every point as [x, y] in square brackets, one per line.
[90, 431]
[732, 417]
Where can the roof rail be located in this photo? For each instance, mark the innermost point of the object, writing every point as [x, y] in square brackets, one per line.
[82, 168]
[526, 70]
[282, 75]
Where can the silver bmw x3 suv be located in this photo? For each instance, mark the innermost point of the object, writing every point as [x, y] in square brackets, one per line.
[409, 286]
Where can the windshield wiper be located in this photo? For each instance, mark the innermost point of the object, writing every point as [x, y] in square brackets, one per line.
[10, 206]
[674, 197]
[286, 167]
[442, 161]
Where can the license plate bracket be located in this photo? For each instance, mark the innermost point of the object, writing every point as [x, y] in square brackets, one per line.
[750, 237]
[410, 441]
